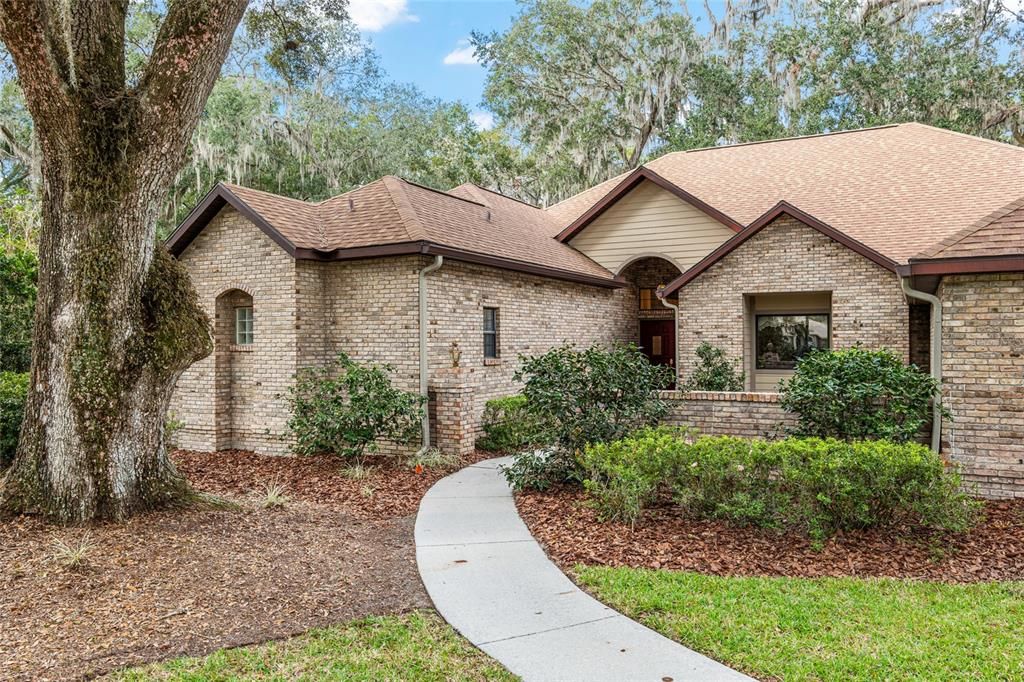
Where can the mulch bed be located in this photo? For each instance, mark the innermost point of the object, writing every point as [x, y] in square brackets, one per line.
[392, 489]
[571, 533]
[191, 581]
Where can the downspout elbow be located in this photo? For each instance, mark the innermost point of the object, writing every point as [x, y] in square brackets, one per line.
[935, 352]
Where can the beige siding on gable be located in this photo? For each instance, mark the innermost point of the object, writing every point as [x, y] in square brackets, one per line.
[650, 221]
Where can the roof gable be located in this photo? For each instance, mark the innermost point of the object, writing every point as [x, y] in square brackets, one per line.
[780, 209]
[628, 184]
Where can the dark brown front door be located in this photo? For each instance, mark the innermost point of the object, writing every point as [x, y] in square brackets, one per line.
[658, 341]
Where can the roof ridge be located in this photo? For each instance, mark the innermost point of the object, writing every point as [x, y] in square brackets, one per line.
[246, 188]
[410, 219]
[977, 225]
[504, 196]
[594, 186]
[791, 138]
[957, 133]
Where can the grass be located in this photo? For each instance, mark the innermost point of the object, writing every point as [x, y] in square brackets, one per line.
[415, 646]
[829, 628]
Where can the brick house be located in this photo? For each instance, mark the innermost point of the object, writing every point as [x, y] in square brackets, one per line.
[906, 237]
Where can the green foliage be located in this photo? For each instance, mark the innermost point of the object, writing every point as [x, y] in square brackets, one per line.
[13, 393]
[346, 408]
[820, 486]
[509, 426]
[812, 485]
[18, 271]
[855, 394]
[624, 476]
[589, 396]
[537, 470]
[713, 371]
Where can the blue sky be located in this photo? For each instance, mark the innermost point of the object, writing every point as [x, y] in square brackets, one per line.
[424, 42]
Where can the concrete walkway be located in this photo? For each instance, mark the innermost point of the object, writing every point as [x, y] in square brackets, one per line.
[490, 579]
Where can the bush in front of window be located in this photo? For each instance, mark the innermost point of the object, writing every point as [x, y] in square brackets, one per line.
[859, 394]
[13, 394]
[814, 486]
[347, 408]
[713, 371]
[587, 396]
[509, 426]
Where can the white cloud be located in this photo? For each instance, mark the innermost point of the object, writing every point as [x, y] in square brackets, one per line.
[461, 55]
[376, 15]
[483, 120]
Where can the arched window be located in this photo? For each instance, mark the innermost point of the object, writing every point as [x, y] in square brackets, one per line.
[236, 319]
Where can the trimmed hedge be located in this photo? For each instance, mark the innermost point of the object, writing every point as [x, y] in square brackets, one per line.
[509, 425]
[809, 484]
[13, 393]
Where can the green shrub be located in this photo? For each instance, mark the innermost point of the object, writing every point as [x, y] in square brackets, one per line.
[623, 477]
[821, 486]
[535, 470]
[509, 426]
[713, 371]
[590, 396]
[345, 409]
[13, 393]
[18, 271]
[857, 394]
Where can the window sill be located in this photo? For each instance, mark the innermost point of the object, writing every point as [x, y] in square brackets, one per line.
[235, 348]
[492, 362]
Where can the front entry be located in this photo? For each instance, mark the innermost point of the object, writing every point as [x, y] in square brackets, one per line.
[658, 341]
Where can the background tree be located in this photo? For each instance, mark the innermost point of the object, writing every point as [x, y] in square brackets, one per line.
[117, 319]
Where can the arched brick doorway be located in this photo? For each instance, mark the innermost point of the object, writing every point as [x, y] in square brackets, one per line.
[655, 331]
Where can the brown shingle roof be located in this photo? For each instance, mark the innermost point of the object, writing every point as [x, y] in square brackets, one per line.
[1000, 233]
[391, 212]
[897, 189]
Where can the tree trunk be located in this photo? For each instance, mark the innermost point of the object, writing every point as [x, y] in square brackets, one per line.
[117, 320]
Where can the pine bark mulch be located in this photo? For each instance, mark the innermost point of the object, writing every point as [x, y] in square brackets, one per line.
[572, 534]
[188, 582]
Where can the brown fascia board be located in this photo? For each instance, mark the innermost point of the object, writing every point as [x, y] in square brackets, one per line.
[202, 214]
[781, 208]
[962, 265]
[432, 249]
[629, 183]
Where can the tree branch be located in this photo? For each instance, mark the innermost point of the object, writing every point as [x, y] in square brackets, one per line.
[30, 35]
[190, 48]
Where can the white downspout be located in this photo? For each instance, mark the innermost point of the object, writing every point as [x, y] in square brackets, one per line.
[675, 333]
[424, 364]
[935, 351]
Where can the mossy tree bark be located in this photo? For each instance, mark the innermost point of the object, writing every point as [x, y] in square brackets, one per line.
[117, 319]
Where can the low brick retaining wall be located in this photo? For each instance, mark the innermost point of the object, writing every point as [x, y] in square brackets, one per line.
[752, 415]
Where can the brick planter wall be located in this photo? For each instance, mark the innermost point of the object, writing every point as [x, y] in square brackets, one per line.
[751, 415]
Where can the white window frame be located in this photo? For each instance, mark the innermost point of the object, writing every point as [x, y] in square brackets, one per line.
[244, 328]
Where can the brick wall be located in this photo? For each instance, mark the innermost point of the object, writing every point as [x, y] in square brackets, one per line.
[983, 376]
[787, 256]
[535, 314]
[751, 415]
[236, 398]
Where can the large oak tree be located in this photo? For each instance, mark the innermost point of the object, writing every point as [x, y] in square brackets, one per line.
[117, 319]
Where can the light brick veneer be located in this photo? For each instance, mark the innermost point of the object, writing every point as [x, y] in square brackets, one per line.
[247, 408]
[305, 312]
[983, 376]
[751, 415]
[535, 314]
[784, 257]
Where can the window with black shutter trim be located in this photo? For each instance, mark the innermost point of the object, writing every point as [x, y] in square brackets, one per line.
[490, 332]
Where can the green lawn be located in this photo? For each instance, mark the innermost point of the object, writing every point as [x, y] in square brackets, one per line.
[829, 628]
[416, 646]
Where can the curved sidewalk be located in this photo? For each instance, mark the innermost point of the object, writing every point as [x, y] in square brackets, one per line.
[490, 579]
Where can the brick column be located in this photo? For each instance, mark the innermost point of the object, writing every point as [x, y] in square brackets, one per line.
[453, 410]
